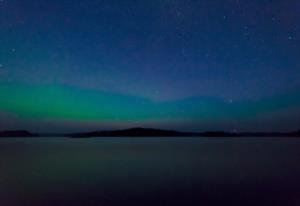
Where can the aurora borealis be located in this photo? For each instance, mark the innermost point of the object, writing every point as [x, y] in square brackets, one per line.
[187, 65]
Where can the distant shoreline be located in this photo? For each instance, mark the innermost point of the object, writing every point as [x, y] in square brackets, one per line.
[147, 132]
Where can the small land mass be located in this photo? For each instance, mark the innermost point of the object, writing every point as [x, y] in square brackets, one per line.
[148, 132]
[133, 132]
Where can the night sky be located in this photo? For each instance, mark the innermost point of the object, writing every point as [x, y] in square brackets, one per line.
[194, 65]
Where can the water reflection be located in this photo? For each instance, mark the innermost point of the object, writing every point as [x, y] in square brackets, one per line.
[149, 171]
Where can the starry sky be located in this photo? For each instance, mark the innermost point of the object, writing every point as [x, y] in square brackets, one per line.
[193, 65]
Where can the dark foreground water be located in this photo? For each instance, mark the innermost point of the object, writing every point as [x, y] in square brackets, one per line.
[149, 171]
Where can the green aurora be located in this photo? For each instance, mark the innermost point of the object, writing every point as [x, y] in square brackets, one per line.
[64, 103]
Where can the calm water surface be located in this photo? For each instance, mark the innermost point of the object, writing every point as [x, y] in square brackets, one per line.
[149, 171]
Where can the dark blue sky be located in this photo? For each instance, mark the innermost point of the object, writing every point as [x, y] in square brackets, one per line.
[160, 50]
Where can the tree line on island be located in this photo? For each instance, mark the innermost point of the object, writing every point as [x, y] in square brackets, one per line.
[149, 132]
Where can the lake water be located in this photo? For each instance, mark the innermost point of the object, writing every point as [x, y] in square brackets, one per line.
[149, 171]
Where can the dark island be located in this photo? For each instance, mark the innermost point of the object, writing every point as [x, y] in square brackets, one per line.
[133, 132]
[149, 132]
